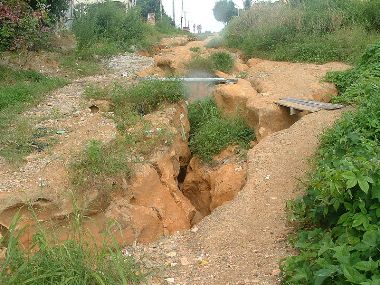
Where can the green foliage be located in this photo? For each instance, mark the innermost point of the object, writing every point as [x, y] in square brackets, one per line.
[99, 162]
[18, 91]
[106, 29]
[224, 10]
[343, 196]
[247, 4]
[72, 262]
[149, 6]
[147, 96]
[195, 49]
[222, 61]
[23, 28]
[314, 31]
[211, 133]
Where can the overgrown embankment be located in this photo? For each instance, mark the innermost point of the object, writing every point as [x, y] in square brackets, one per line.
[343, 198]
[312, 31]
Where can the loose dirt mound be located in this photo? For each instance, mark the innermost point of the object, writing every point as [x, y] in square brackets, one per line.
[243, 241]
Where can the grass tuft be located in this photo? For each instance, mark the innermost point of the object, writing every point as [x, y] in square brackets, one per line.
[211, 133]
[222, 61]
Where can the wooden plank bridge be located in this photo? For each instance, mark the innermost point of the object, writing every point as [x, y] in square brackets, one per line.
[295, 105]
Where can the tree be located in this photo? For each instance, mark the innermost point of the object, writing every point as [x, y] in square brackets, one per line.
[224, 10]
[247, 4]
[149, 6]
[56, 8]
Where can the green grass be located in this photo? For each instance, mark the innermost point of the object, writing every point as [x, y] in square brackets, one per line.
[222, 61]
[148, 96]
[74, 65]
[19, 90]
[311, 31]
[72, 262]
[211, 133]
[96, 92]
[339, 216]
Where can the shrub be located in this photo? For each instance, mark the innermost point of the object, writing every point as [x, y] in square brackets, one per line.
[23, 28]
[106, 29]
[211, 133]
[343, 199]
[222, 61]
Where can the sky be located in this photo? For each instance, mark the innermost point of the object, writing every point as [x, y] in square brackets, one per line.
[197, 12]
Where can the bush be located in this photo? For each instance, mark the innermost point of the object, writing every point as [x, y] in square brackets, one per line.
[343, 199]
[210, 133]
[222, 61]
[315, 31]
[23, 28]
[106, 29]
[72, 262]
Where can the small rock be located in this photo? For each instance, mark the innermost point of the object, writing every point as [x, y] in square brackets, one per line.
[203, 262]
[171, 254]
[173, 264]
[184, 261]
[61, 132]
[170, 280]
[194, 229]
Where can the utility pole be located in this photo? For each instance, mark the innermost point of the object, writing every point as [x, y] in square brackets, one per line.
[182, 16]
[173, 13]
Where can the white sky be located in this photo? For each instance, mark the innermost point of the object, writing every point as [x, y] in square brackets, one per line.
[197, 12]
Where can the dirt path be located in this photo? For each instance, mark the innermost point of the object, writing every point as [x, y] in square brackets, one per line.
[242, 242]
[45, 174]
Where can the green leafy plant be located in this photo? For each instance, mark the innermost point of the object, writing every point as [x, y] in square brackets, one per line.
[343, 197]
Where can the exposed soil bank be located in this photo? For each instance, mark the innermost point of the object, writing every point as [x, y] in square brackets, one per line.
[242, 242]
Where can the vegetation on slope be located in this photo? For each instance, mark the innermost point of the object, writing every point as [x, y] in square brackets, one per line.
[343, 197]
[20, 90]
[107, 29]
[73, 262]
[311, 30]
[135, 138]
[210, 132]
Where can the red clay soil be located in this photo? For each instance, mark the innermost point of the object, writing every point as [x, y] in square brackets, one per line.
[242, 242]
